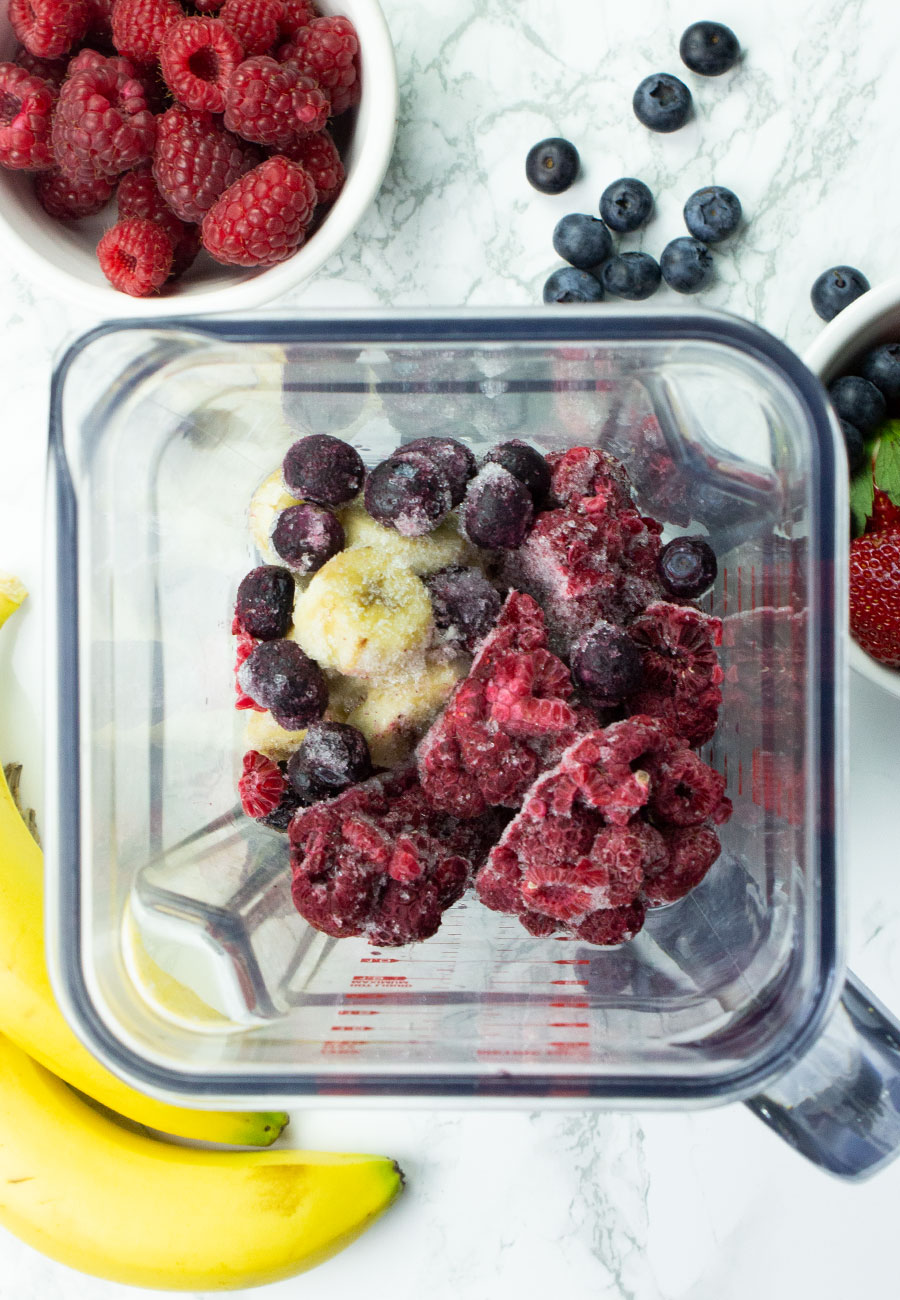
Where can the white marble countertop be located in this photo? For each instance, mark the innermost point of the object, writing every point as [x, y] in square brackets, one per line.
[605, 1206]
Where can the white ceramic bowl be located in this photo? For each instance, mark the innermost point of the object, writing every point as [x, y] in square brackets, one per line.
[61, 255]
[872, 319]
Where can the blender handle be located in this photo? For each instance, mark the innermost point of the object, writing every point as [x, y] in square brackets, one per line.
[839, 1105]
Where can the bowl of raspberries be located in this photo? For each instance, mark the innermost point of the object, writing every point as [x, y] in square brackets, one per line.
[192, 159]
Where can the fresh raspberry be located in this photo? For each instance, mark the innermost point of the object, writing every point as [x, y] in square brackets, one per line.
[681, 672]
[102, 125]
[197, 57]
[196, 160]
[875, 595]
[294, 15]
[271, 103]
[185, 251]
[139, 196]
[689, 855]
[100, 22]
[26, 105]
[262, 218]
[48, 28]
[51, 70]
[139, 26]
[261, 785]
[254, 22]
[135, 256]
[326, 50]
[66, 198]
[885, 515]
[246, 644]
[208, 6]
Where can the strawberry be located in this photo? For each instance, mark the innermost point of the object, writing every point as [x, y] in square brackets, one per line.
[875, 487]
[875, 594]
[885, 514]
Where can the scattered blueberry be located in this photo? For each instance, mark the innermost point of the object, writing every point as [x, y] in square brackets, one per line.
[686, 265]
[631, 275]
[709, 49]
[528, 466]
[323, 469]
[582, 240]
[552, 165]
[331, 754]
[835, 289]
[662, 102]
[265, 602]
[687, 567]
[408, 492]
[855, 445]
[498, 511]
[858, 401]
[881, 367]
[626, 204]
[452, 457]
[712, 214]
[307, 535]
[465, 604]
[280, 677]
[607, 664]
[571, 285]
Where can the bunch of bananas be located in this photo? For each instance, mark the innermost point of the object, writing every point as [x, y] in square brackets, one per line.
[105, 1197]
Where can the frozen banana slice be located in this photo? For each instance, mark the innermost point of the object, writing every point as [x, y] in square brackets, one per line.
[364, 615]
[393, 717]
[269, 499]
[444, 545]
[264, 734]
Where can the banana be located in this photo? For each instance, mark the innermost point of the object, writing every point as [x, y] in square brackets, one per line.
[120, 1205]
[267, 502]
[264, 734]
[444, 545]
[12, 593]
[393, 716]
[364, 615]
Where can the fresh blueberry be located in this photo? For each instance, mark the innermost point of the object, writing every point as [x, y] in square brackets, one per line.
[607, 664]
[631, 275]
[568, 284]
[881, 367]
[662, 102]
[265, 602]
[686, 265]
[712, 213]
[552, 165]
[452, 457]
[528, 466]
[465, 604]
[582, 240]
[858, 401]
[687, 567]
[280, 677]
[709, 49]
[626, 204]
[835, 289]
[498, 511]
[409, 492]
[855, 445]
[331, 754]
[323, 469]
[307, 535]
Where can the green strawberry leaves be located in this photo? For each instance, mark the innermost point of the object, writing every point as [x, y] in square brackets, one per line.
[862, 498]
[887, 460]
[884, 447]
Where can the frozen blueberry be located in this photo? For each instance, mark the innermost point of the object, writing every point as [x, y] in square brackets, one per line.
[307, 535]
[280, 677]
[686, 265]
[712, 214]
[607, 664]
[709, 49]
[631, 275]
[332, 755]
[582, 240]
[662, 102]
[265, 602]
[855, 444]
[881, 367]
[571, 285]
[687, 567]
[858, 401]
[465, 604]
[305, 790]
[835, 289]
[626, 204]
[498, 511]
[279, 819]
[452, 457]
[552, 165]
[528, 466]
[408, 492]
[323, 469]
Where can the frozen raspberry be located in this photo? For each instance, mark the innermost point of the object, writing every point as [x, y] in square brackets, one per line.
[526, 464]
[66, 198]
[611, 925]
[26, 104]
[588, 472]
[197, 57]
[271, 103]
[685, 791]
[318, 154]
[261, 785]
[294, 15]
[262, 218]
[690, 853]
[48, 28]
[687, 567]
[278, 675]
[326, 50]
[51, 70]
[498, 510]
[196, 160]
[681, 678]
[307, 535]
[624, 855]
[465, 605]
[135, 256]
[607, 665]
[139, 26]
[408, 492]
[333, 755]
[102, 125]
[256, 23]
[265, 602]
[323, 469]
[245, 645]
